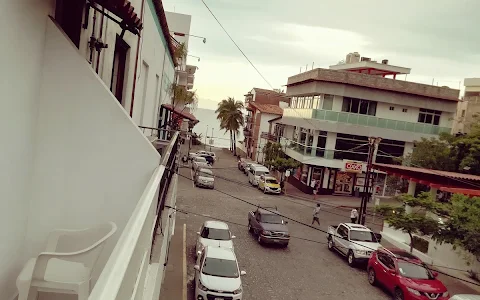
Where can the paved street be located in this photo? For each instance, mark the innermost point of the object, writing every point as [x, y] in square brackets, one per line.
[305, 270]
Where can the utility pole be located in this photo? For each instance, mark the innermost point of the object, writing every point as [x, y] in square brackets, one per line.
[206, 133]
[211, 138]
[372, 146]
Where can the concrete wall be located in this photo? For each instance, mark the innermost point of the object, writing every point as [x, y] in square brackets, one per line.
[91, 162]
[23, 24]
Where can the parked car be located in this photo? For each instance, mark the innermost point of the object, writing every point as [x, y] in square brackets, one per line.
[269, 184]
[214, 233]
[217, 275]
[465, 297]
[198, 161]
[404, 275]
[191, 155]
[255, 172]
[355, 241]
[204, 178]
[241, 164]
[247, 167]
[208, 158]
[268, 226]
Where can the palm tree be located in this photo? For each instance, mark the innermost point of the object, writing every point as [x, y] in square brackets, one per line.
[230, 114]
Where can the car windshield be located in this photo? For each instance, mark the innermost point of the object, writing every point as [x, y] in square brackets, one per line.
[272, 219]
[220, 268]
[272, 181]
[413, 270]
[260, 173]
[215, 234]
[200, 159]
[362, 236]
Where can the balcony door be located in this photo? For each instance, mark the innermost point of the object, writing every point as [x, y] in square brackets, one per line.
[119, 69]
[69, 15]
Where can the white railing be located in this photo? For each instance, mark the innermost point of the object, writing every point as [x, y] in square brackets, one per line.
[130, 272]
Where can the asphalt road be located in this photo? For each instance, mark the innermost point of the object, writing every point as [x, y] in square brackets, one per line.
[305, 270]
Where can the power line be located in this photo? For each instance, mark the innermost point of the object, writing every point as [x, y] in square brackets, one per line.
[238, 47]
[291, 236]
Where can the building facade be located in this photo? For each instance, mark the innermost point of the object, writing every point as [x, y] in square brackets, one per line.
[262, 106]
[468, 110]
[77, 85]
[333, 112]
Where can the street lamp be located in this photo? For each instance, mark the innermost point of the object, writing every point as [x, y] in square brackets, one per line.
[184, 34]
[194, 56]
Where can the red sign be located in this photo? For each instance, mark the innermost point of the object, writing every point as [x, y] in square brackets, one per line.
[353, 167]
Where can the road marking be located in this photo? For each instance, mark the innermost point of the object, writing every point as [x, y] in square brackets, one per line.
[184, 292]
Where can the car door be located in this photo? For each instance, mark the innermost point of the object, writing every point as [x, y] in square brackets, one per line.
[261, 182]
[390, 273]
[341, 239]
[258, 218]
[199, 262]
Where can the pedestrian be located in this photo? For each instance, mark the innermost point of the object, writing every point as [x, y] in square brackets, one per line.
[354, 215]
[316, 212]
[313, 185]
[282, 186]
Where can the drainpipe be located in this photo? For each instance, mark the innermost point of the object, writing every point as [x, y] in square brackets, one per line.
[101, 35]
[136, 62]
[91, 43]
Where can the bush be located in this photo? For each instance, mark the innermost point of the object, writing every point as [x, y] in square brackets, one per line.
[420, 244]
[473, 275]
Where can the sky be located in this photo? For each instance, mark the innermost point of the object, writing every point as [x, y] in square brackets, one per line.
[438, 39]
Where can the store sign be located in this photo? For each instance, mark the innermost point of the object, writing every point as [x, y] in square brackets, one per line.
[353, 166]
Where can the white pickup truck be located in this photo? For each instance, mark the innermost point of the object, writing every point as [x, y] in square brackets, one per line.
[354, 241]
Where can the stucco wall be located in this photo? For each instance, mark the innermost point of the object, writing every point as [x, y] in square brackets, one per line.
[22, 28]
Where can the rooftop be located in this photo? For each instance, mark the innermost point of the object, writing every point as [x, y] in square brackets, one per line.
[374, 82]
[267, 108]
[220, 253]
[371, 68]
[215, 224]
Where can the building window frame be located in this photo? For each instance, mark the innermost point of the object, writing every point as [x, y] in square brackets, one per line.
[429, 116]
[359, 106]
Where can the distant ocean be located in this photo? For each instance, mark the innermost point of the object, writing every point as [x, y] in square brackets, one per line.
[208, 121]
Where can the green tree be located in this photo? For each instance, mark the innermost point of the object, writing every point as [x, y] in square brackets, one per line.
[415, 222]
[276, 158]
[272, 151]
[462, 227]
[432, 153]
[230, 114]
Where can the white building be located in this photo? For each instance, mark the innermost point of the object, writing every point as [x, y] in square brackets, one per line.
[334, 112]
[468, 110]
[73, 156]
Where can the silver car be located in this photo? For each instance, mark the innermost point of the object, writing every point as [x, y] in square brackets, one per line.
[204, 178]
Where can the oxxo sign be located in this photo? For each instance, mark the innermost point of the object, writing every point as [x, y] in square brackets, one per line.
[353, 167]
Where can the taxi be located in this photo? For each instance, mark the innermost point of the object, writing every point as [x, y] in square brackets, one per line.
[269, 184]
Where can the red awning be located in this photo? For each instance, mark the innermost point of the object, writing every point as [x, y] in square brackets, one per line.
[124, 10]
[184, 114]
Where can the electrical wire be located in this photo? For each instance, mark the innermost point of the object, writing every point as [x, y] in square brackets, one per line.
[236, 45]
[291, 236]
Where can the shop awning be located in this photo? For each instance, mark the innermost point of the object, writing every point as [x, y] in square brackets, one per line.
[124, 10]
[183, 114]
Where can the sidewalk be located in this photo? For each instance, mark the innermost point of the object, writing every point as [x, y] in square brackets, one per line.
[174, 283]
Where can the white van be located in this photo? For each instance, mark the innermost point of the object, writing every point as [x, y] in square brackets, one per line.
[255, 172]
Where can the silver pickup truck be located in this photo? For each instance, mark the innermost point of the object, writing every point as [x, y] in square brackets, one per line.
[354, 241]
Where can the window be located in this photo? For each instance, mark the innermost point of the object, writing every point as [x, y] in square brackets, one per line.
[429, 116]
[271, 219]
[316, 102]
[386, 260]
[362, 236]
[342, 231]
[411, 270]
[308, 102]
[301, 101]
[293, 102]
[327, 102]
[272, 181]
[119, 68]
[359, 106]
[404, 110]
[392, 108]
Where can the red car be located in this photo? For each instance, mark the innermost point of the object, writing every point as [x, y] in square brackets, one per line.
[404, 275]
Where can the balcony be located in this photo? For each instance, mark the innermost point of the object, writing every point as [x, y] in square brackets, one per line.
[270, 137]
[365, 120]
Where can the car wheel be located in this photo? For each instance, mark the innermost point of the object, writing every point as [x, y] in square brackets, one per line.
[259, 239]
[372, 277]
[398, 294]
[351, 258]
[330, 244]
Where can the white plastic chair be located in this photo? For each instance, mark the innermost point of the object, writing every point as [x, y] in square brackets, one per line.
[67, 264]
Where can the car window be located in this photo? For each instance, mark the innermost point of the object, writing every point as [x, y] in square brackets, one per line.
[215, 234]
[200, 159]
[220, 268]
[260, 173]
[411, 270]
[386, 260]
[342, 231]
[272, 181]
[272, 219]
[205, 174]
[362, 236]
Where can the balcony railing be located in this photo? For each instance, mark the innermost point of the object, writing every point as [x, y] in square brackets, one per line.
[365, 120]
[270, 137]
[125, 274]
[306, 150]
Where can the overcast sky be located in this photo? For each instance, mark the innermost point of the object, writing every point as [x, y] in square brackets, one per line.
[438, 39]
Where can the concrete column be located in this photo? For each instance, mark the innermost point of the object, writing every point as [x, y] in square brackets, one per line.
[407, 150]
[330, 144]
[307, 138]
[299, 134]
[314, 143]
[433, 192]
[326, 176]
[412, 185]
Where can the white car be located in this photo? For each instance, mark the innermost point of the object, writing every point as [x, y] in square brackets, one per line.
[199, 162]
[214, 233]
[217, 275]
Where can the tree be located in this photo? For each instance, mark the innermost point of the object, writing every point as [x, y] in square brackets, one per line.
[462, 227]
[271, 151]
[230, 114]
[276, 158]
[415, 222]
[432, 153]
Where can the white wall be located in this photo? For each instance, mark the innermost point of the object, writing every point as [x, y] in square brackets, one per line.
[22, 24]
[179, 23]
[91, 162]
[383, 111]
[264, 127]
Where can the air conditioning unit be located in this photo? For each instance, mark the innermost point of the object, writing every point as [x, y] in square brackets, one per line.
[366, 59]
[385, 61]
